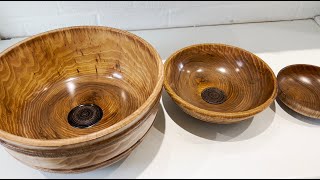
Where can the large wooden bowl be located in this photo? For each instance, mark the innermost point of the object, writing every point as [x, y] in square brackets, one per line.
[299, 89]
[78, 98]
[219, 83]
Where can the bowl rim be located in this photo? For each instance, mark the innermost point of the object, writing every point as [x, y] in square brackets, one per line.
[19, 140]
[298, 110]
[220, 115]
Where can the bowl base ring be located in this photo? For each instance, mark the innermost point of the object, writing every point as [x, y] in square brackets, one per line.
[213, 95]
[85, 115]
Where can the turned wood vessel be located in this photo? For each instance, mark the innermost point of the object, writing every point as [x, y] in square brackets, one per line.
[77, 98]
[219, 83]
[299, 89]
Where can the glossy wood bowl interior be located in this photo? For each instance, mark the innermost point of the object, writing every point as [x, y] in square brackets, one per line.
[299, 89]
[219, 83]
[115, 76]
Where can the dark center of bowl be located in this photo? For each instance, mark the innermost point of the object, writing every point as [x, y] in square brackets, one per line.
[213, 95]
[84, 116]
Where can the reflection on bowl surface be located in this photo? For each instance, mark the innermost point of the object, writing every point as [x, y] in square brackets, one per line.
[299, 89]
[219, 83]
[116, 100]
[72, 86]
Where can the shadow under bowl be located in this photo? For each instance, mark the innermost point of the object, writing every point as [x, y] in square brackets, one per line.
[219, 83]
[299, 89]
[77, 98]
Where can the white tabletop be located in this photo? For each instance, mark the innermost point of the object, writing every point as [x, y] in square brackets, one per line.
[276, 143]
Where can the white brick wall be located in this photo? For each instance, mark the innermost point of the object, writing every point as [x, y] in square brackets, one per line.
[28, 18]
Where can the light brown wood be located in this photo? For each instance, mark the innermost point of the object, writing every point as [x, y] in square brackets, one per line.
[90, 156]
[43, 78]
[219, 83]
[299, 89]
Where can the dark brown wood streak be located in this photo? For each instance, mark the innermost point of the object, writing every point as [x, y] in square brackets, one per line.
[219, 83]
[43, 78]
[299, 89]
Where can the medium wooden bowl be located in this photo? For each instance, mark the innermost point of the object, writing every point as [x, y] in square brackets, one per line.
[219, 83]
[78, 98]
[299, 89]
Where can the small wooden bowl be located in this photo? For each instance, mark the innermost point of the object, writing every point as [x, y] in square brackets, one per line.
[299, 89]
[78, 98]
[219, 83]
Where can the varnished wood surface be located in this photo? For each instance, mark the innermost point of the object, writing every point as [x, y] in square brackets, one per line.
[240, 84]
[299, 89]
[93, 155]
[44, 77]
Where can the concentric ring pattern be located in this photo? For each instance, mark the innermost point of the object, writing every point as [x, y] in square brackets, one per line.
[219, 83]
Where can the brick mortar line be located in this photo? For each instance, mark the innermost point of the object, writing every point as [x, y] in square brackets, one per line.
[222, 24]
[208, 25]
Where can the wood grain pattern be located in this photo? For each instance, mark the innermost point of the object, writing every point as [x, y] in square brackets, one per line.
[44, 77]
[299, 89]
[92, 155]
[219, 83]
